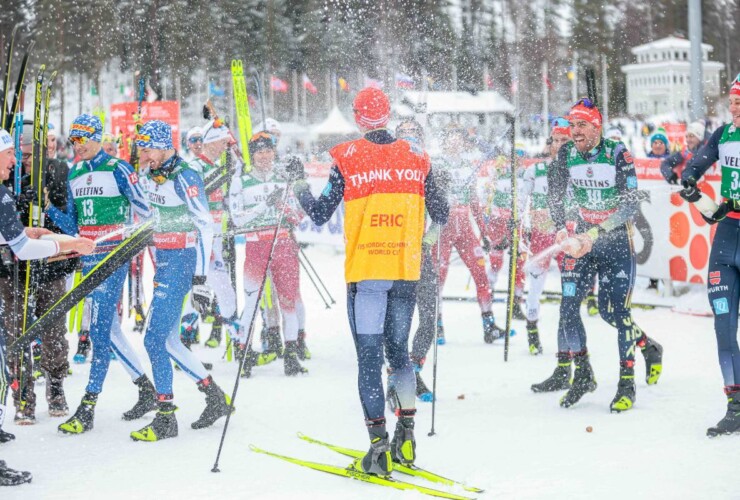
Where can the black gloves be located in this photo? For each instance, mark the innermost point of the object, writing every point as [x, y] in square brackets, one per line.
[294, 169]
[690, 192]
[202, 296]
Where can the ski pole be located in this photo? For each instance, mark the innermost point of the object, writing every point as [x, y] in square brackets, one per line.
[514, 249]
[288, 189]
[308, 262]
[313, 282]
[436, 331]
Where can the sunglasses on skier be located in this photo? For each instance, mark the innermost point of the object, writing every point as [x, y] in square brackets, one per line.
[78, 140]
[193, 140]
[559, 122]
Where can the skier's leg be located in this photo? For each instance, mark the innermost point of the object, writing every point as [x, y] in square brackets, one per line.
[616, 267]
[285, 272]
[104, 300]
[724, 294]
[220, 281]
[255, 260]
[54, 349]
[399, 313]
[174, 275]
[468, 246]
[426, 300]
[125, 351]
[367, 303]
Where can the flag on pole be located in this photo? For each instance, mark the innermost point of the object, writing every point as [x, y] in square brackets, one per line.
[489, 82]
[404, 81]
[343, 84]
[278, 85]
[372, 82]
[308, 85]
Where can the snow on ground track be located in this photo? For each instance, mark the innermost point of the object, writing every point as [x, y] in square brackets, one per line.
[501, 436]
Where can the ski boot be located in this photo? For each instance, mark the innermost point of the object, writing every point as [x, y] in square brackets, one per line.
[560, 378]
[55, 397]
[533, 337]
[491, 332]
[218, 404]
[730, 423]
[83, 419]
[162, 427]
[10, 477]
[251, 360]
[583, 381]
[290, 359]
[139, 318]
[272, 347]
[403, 444]
[147, 399]
[653, 354]
[25, 415]
[189, 330]
[378, 460]
[214, 340]
[517, 312]
[592, 307]
[83, 347]
[6, 436]
[303, 352]
[440, 331]
[625, 398]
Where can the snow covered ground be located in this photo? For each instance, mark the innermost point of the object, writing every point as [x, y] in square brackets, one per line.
[500, 436]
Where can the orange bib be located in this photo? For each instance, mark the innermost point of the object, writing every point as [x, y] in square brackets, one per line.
[384, 209]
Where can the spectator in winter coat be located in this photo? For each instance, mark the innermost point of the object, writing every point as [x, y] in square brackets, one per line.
[672, 166]
[659, 145]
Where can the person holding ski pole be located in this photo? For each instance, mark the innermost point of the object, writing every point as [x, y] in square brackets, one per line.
[48, 284]
[216, 139]
[385, 185]
[101, 192]
[257, 203]
[23, 244]
[183, 237]
[724, 268]
[604, 185]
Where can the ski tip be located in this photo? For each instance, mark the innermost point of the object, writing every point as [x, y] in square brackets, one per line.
[301, 435]
[254, 448]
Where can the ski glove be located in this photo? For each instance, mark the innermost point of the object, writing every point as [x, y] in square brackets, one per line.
[202, 296]
[26, 197]
[485, 244]
[690, 192]
[668, 173]
[294, 169]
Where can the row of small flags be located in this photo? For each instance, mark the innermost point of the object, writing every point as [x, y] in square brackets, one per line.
[402, 81]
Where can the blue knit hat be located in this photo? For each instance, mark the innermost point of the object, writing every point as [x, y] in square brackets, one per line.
[155, 134]
[87, 126]
[660, 135]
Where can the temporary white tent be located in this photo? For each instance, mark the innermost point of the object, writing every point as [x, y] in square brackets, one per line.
[334, 124]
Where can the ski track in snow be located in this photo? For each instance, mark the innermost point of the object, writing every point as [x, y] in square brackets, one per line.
[500, 437]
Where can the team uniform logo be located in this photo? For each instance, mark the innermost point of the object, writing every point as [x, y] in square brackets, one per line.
[192, 191]
[89, 180]
[627, 157]
[569, 264]
[133, 178]
[721, 306]
[715, 277]
[589, 172]
[569, 289]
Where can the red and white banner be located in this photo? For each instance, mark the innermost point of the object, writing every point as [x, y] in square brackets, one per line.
[123, 120]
